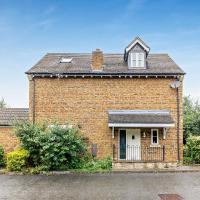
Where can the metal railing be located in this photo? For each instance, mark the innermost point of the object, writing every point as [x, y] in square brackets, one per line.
[139, 153]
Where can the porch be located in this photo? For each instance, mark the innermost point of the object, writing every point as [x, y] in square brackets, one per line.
[131, 153]
[139, 136]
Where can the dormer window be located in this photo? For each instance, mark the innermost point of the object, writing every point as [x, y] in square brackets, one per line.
[136, 54]
[136, 60]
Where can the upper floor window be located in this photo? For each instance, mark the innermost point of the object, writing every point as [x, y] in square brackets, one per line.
[136, 60]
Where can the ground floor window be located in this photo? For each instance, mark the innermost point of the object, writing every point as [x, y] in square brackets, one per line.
[154, 136]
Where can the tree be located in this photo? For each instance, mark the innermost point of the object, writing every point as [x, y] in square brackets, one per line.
[191, 117]
[2, 103]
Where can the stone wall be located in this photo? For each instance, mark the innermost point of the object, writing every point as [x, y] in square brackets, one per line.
[85, 101]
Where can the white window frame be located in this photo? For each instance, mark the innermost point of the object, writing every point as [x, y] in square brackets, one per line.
[136, 60]
[152, 130]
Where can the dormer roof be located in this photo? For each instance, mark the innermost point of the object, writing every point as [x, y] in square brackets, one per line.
[136, 41]
[139, 41]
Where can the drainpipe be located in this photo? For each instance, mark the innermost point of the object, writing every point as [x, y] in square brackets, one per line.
[176, 85]
[178, 122]
[33, 102]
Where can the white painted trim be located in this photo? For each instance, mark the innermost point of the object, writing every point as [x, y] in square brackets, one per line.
[139, 132]
[164, 133]
[134, 43]
[152, 137]
[113, 132]
[131, 125]
[136, 66]
[8, 126]
[166, 112]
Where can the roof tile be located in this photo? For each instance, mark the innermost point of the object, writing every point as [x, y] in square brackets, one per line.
[113, 63]
[9, 115]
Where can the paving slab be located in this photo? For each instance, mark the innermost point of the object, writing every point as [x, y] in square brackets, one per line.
[109, 186]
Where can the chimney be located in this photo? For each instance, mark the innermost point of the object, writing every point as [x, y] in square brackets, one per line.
[97, 59]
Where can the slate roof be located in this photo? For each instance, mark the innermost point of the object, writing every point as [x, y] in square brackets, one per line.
[140, 116]
[10, 115]
[157, 64]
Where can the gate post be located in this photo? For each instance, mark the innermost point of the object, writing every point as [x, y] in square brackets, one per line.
[113, 151]
[163, 152]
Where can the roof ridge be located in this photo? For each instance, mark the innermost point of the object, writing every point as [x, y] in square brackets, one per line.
[71, 53]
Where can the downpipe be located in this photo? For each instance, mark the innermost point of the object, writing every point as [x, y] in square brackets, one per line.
[178, 123]
[33, 102]
[175, 85]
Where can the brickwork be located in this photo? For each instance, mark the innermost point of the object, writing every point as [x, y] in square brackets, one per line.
[150, 152]
[86, 101]
[8, 139]
[97, 59]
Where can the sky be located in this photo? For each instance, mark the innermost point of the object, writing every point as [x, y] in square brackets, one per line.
[31, 28]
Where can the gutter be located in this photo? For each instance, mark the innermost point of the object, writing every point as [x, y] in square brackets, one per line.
[105, 75]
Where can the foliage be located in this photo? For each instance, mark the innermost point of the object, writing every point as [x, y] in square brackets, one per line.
[32, 138]
[17, 160]
[52, 148]
[2, 103]
[2, 158]
[192, 150]
[191, 117]
[34, 170]
[97, 165]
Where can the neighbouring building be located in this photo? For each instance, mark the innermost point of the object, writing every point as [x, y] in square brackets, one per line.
[129, 105]
[8, 117]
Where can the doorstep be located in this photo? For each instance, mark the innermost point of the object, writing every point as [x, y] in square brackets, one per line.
[178, 169]
[142, 165]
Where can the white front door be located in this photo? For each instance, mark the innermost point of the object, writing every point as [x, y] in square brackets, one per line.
[133, 150]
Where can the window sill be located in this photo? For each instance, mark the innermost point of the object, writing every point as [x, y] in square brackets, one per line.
[155, 145]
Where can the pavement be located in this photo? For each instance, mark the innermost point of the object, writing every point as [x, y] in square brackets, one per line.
[178, 169]
[111, 186]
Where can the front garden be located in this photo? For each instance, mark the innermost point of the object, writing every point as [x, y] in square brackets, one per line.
[191, 130]
[52, 148]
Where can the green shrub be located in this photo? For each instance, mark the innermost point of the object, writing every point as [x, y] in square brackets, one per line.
[32, 137]
[2, 157]
[53, 148]
[17, 160]
[34, 170]
[63, 149]
[99, 164]
[192, 150]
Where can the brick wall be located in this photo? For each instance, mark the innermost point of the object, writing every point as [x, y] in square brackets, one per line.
[8, 139]
[86, 101]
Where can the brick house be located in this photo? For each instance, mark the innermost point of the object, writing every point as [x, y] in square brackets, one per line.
[129, 105]
[8, 116]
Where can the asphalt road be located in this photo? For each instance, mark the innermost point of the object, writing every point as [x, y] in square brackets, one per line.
[136, 186]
